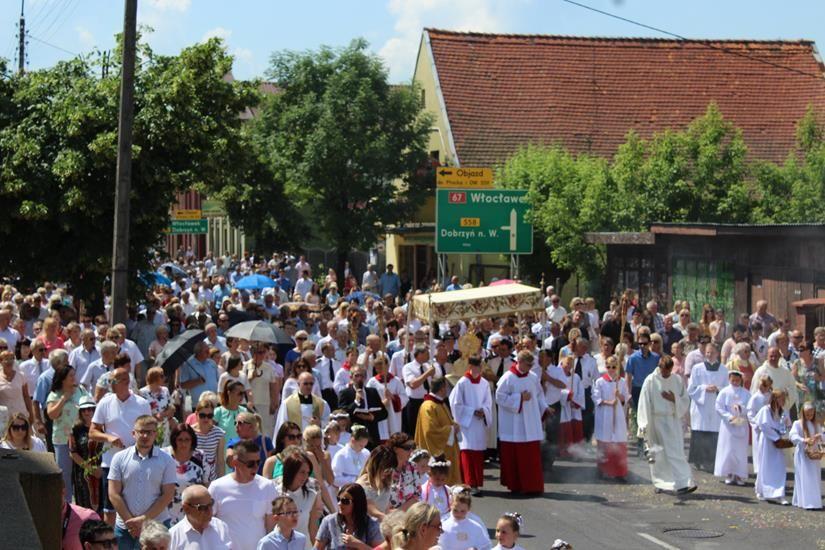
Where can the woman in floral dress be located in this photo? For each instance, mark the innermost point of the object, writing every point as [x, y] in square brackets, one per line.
[157, 394]
[190, 468]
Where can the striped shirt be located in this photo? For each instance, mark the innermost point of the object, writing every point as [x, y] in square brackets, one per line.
[208, 445]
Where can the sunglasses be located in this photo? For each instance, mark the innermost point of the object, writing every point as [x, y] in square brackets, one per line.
[106, 543]
[644, 343]
[206, 415]
[292, 437]
[611, 368]
[19, 427]
[345, 501]
[252, 464]
[243, 422]
[202, 507]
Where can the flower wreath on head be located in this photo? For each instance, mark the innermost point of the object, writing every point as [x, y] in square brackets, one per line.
[433, 463]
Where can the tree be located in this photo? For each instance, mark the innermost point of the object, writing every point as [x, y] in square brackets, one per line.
[342, 138]
[695, 174]
[794, 191]
[58, 150]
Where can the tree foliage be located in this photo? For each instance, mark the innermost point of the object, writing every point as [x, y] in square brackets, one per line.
[698, 174]
[58, 148]
[342, 137]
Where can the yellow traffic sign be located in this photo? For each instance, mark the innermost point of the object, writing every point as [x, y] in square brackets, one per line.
[187, 215]
[464, 178]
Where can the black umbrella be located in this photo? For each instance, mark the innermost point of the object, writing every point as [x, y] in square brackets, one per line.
[177, 350]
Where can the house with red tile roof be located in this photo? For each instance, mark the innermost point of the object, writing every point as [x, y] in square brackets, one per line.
[492, 93]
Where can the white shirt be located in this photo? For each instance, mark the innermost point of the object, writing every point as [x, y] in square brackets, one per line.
[11, 337]
[243, 507]
[130, 348]
[32, 371]
[118, 418]
[184, 537]
[411, 371]
[347, 464]
[80, 359]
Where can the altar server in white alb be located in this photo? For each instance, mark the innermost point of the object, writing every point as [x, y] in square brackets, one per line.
[759, 399]
[472, 407]
[609, 396]
[571, 429]
[773, 422]
[393, 395]
[806, 435]
[732, 448]
[663, 402]
[707, 379]
[521, 408]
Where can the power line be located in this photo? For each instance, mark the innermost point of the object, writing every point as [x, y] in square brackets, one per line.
[55, 46]
[704, 43]
[67, 15]
[57, 15]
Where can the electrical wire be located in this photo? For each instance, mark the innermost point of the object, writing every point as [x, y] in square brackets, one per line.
[704, 43]
[68, 14]
[55, 46]
[58, 17]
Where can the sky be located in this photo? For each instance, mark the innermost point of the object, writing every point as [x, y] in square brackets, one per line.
[254, 29]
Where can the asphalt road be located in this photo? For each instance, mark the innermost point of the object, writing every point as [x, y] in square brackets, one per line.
[593, 514]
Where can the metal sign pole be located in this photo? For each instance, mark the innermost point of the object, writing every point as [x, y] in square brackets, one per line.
[442, 268]
[514, 266]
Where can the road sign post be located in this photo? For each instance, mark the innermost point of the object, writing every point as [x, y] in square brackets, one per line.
[452, 177]
[482, 221]
[189, 227]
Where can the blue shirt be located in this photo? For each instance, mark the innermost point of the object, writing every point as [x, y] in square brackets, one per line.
[641, 367]
[43, 387]
[276, 541]
[193, 369]
[142, 479]
[389, 283]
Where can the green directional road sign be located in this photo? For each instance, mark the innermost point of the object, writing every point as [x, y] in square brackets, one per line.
[187, 227]
[484, 221]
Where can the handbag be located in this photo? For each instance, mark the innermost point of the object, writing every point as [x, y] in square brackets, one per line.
[783, 444]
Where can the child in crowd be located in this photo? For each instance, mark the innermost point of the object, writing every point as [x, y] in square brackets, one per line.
[435, 490]
[420, 458]
[284, 536]
[507, 531]
[332, 437]
[572, 403]
[341, 417]
[459, 531]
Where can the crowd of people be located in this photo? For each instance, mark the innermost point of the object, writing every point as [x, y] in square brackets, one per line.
[372, 430]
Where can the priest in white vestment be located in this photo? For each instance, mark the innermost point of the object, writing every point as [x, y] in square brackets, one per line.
[732, 447]
[472, 407]
[707, 379]
[663, 402]
[807, 485]
[521, 408]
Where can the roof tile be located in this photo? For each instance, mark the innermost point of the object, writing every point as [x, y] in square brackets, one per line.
[504, 91]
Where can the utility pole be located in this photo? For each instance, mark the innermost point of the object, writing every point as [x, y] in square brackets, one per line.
[120, 252]
[21, 37]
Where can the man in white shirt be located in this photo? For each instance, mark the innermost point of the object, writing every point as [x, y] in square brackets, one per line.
[199, 529]
[556, 311]
[303, 285]
[83, 355]
[127, 346]
[303, 266]
[34, 367]
[243, 499]
[369, 281]
[325, 369]
[213, 340]
[112, 425]
[417, 374]
[7, 333]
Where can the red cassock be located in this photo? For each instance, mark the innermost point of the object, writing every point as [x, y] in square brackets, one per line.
[612, 459]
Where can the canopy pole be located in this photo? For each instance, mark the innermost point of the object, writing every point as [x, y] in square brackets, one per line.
[430, 322]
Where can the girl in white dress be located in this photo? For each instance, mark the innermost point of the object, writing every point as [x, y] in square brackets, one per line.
[435, 490]
[460, 532]
[805, 432]
[732, 446]
[507, 531]
[773, 423]
[757, 401]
